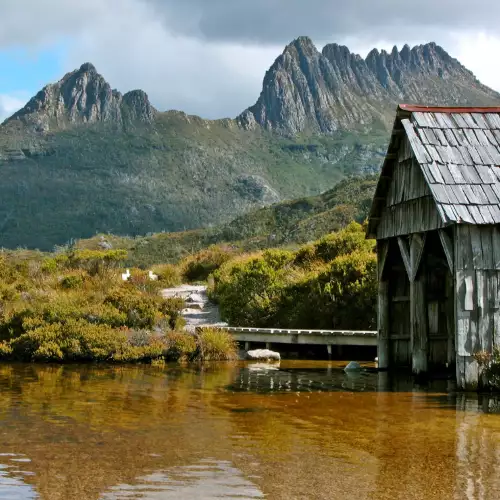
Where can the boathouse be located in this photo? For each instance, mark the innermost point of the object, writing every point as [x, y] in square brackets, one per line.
[436, 219]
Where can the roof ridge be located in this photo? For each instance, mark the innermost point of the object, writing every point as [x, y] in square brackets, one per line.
[416, 108]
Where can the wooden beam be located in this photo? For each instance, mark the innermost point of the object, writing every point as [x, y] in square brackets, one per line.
[447, 243]
[383, 325]
[382, 251]
[419, 326]
[416, 252]
[405, 253]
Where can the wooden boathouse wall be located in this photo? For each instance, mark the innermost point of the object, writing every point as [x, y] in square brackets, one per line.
[436, 218]
[478, 295]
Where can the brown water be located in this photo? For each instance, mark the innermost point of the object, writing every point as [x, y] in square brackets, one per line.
[305, 431]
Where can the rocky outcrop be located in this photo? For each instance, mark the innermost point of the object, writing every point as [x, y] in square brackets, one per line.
[83, 96]
[321, 92]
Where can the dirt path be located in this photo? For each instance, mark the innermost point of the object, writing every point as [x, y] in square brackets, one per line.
[199, 310]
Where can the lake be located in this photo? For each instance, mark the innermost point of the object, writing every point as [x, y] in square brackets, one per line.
[304, 430]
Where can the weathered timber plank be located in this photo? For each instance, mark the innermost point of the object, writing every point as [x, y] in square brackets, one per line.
[481, 137]
[495, 239]
[487, 246]
[417, 244]
[456, 173]
[418, 326]
[417, 146]
[469, 291]
[477, 251]
[479, 119]
[382, 252]
[383, 325]
[447, 243]
[484, 319]
[463, 248]
[405, 254]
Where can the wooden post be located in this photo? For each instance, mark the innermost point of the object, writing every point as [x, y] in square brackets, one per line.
[329, 349]
[383, 307]
[268, 345]
[418, 308]
[247, 346]
[383, 325]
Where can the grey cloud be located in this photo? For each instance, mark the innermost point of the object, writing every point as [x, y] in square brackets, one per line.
[279, 21]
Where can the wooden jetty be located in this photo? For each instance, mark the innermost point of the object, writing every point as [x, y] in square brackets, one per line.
[327, 338]
[436, 218]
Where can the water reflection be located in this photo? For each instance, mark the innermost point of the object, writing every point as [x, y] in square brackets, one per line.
[209, 480]
[303, 430]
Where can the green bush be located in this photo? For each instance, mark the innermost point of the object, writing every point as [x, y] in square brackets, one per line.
[215, 344]
[168, 275]
[199, 266]
[72, 281]
[328, 284]
[180, 346]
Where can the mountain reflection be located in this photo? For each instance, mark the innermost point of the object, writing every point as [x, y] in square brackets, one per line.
[298, 430]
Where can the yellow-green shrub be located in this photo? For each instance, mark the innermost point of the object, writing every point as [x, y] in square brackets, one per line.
[215, 344]
[327, 284]
[199, 266]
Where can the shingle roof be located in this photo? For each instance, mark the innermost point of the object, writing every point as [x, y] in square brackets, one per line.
[458, 150]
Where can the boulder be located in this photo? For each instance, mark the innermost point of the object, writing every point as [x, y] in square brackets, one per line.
[263, 355]
[195, 297]
[353, 366]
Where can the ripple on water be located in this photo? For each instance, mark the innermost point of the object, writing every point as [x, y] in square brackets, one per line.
[12, 485]
[207, 480]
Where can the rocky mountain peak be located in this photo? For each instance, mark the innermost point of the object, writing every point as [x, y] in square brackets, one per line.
[308, 90]
[83, 96]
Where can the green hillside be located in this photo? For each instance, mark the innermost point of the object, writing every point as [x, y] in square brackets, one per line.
[178, 173]
[282, 224]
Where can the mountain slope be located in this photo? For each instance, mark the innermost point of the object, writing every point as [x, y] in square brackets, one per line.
[81, 158]
[287, 223]
[308, 90]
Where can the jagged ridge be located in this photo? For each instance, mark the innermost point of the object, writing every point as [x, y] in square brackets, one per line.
[83, 96]
[324, 91]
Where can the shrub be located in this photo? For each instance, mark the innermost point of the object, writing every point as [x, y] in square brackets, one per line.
[168, 275]
[489, 363]
[215, 344]
[179, 346]
[74, 340]
[72, 281]
[327, 284]
[350, 239]
[199, 266]
[96, 261]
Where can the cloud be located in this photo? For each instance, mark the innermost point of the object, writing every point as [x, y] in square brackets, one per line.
[208, 57]
[278, 21]
[9, 104]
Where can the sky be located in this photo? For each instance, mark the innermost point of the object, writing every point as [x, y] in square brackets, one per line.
[208, 57]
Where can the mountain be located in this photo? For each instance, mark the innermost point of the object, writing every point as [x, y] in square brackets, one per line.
[81, 158]
[322, 92]
[83, 97]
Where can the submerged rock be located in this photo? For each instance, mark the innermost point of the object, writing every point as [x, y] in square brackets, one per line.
[353, 366]
[263, 354]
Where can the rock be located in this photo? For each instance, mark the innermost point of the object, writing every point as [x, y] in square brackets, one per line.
[321, 92]
[263, 355]
[353, 366]
[81, 97]
[195, 297]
